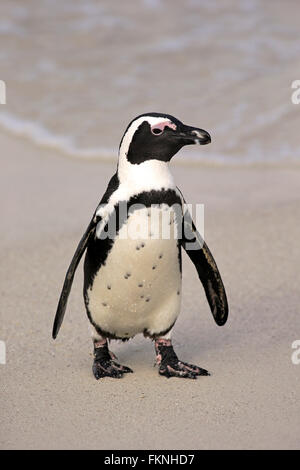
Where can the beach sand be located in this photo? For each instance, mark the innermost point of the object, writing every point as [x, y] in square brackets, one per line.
[50, 399]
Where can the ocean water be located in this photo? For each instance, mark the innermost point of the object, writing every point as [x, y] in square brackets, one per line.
[77, 71]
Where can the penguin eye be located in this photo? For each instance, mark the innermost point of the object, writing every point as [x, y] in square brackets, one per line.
[157, 131]
[159, 127]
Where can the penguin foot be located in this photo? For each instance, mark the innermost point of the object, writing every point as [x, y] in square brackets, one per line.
[171, 366]
[105, 365]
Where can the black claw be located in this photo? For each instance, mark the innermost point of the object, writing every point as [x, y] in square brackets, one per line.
[123, 369]
[127, 370]
[182, 372]
[116, 374]
[191, 376]
[198, 370]
[96, 373]
[109, 369]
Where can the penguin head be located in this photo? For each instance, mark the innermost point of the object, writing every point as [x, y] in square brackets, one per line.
[157, 136]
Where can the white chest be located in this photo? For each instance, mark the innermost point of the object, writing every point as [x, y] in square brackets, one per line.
[139, 287]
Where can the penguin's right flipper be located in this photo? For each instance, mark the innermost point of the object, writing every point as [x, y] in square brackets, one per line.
[207, 269]
[62, 304]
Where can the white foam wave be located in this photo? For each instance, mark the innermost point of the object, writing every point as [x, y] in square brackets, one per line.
[41, 136]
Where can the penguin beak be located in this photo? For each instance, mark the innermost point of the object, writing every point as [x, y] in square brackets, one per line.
[193, 135]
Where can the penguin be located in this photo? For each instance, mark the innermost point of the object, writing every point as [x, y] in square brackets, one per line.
[133, 245]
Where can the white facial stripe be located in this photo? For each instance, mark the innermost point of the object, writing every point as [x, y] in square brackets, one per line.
[151, 174]
[161, 125]
[134, 179]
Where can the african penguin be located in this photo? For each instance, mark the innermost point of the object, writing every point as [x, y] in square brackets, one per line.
[132, 268]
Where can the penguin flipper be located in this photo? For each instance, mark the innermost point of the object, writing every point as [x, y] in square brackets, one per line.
[207, 269]
[62, 304]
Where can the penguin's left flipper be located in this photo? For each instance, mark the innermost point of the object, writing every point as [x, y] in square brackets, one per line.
[207, 269]
[62, 304]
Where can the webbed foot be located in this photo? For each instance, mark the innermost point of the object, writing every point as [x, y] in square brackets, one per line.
[171, 366]
[105, 365]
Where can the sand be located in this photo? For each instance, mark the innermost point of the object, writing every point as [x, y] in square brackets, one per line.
[49, 397]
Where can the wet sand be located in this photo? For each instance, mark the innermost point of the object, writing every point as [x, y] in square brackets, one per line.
[50, 399]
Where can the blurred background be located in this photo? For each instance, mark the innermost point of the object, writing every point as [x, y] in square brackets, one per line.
[77, 71]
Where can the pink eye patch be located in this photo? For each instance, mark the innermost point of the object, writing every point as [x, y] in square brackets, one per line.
[158, 128]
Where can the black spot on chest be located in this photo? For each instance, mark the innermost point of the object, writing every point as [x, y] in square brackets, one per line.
[99, 249]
